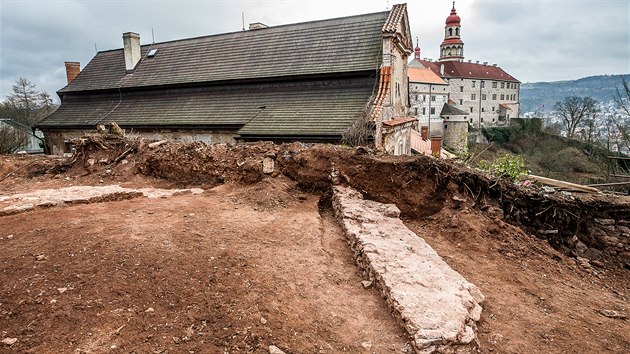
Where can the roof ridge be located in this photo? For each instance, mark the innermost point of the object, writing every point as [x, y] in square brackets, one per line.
[257, 30]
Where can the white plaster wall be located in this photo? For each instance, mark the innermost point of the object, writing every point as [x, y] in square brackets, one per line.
[464, 101]
[420, 98]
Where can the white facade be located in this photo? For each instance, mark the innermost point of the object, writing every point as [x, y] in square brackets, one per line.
[486, 101]
[427, 100]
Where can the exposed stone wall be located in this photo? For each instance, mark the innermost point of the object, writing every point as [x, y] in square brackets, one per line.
[435, 305]
[456, 135]
[610, 236]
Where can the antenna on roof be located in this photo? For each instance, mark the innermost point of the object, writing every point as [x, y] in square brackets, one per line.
[387, 7]
[152, 35]
[95, 50]
[243, 18]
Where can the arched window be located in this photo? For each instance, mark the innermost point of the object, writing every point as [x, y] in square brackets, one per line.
[457, 31]
[450, 31]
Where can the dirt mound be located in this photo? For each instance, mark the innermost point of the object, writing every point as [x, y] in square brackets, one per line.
[419, 185]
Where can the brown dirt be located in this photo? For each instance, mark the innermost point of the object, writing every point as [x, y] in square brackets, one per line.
[537, 299]
[210, 266]
[277, 257]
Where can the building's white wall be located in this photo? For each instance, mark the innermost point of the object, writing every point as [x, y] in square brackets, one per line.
[423, 102]
[398, 94]
[397, 140]
[461, 91]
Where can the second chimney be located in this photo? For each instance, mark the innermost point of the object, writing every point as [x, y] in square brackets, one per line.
[131, 42]
[72, 70]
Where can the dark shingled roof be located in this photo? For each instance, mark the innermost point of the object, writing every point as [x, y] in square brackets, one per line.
[301, 108]
[348, 44]
[450, 110]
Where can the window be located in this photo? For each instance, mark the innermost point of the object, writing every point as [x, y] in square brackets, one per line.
[461, 101]
[483, 109]
[470, 120]
[445, 126]
[482, 83]
[503, 85]
[397, 90]
[473, 97]
[471, 109]
[416, 98]
[415, 111]
[494, 84]
[432, 110]
[424, 98]
[433, 98]
[502, 97]
[461, 89]
[494, 96]
[492, 109]
[424, 111]
[483, 96]
[474, 83]
[481, 120]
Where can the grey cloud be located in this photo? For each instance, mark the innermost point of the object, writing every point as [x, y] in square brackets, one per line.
[533, 40]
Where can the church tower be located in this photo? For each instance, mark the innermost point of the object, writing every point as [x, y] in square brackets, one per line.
[452, 48]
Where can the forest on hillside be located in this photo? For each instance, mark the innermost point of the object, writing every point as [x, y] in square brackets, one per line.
[601, 88]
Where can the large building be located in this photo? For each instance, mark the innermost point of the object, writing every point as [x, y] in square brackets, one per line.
[486, 92]
[312, 81]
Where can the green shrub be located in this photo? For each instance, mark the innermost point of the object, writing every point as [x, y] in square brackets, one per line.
[509, 167]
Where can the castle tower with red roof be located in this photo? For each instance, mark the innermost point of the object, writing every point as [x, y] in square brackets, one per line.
[452, 48]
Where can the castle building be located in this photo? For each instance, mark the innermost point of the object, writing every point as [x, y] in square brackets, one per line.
[487, 93]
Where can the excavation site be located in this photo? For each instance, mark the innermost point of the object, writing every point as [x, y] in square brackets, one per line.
[134, 246]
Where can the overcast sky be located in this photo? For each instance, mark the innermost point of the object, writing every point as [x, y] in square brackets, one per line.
[533, 40]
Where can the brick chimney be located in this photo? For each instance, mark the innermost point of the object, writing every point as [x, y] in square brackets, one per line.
[72, 70]
[424, 132]
[436, 146]
[131, 42]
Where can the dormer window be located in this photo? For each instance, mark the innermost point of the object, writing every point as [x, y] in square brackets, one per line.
[152, 53]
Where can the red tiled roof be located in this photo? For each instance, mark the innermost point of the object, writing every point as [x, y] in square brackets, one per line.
[399, 121]
[452, 41]
[458, 69]
[424, 75]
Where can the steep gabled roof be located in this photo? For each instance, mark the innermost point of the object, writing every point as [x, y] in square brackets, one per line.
[451, 110]
[459, 69]
[341, 45]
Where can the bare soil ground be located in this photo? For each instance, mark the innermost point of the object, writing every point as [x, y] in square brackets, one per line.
[199, 273]
[234, 269]
[537, 299]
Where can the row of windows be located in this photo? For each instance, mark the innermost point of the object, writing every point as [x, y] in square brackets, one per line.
[483, 109]
[424, 111]
[424, 98]
[494, 97]
[494, 85]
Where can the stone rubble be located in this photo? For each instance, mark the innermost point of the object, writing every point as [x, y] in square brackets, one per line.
[437, 307]
[18, 203]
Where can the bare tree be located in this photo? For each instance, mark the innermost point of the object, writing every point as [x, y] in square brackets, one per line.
[622, 96]
[573, 110]
[11, 139]
[25, 104]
